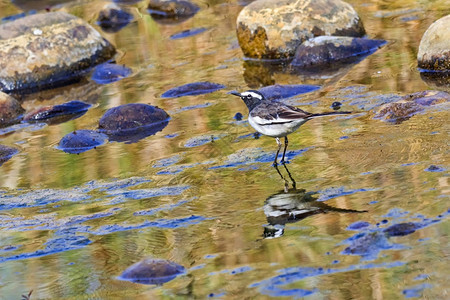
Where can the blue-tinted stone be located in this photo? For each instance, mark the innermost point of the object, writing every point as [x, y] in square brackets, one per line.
[238, 116]
[58, 113]
[152, 271]
[279, 91]
[402, 229]
[326, 50]
[191, 89]
[336, 105]
[81, 140]
[108, 73]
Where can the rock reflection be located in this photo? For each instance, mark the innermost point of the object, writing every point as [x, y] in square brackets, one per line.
[292, 205]
[259, 73]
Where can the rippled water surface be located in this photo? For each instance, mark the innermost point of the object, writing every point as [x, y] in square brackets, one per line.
[369, 217]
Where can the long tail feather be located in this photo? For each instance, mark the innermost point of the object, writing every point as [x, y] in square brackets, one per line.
[330, 113]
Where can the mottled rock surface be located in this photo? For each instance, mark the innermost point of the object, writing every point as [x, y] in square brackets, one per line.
[10, 110]
[47, 50]
[132, 122]
[434, 48]
[325, 50]
[269, 29]
[410, 105]
[152, 271]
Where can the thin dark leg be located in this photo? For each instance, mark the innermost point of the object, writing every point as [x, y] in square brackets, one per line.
[278, 151]
[286, 183]
[285, 147]
[294, 184]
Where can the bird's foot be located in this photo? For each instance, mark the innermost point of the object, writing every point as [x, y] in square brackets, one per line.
[284, 162]
[275, 164]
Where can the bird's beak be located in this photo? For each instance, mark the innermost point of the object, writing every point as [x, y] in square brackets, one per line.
[235, 93]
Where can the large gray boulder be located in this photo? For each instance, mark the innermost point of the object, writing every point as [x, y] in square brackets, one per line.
[268, 29]
[47, 50]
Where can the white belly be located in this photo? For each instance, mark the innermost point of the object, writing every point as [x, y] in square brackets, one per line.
[277, 130]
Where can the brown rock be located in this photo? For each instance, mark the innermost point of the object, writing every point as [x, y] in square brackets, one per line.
[47, 50]
[10, 110]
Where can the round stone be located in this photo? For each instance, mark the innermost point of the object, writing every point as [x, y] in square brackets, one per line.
[48, 50]
[131, 116]
[269, 29]
[152, 271]
[81, 140]
[132, 122]
[434, 48]
[112, 18]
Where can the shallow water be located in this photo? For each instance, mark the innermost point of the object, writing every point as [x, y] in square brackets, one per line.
[202, 192]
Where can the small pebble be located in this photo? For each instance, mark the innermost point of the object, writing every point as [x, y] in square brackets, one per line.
[336, 105]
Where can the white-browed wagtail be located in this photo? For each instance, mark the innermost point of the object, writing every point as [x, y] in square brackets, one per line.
[276, 119]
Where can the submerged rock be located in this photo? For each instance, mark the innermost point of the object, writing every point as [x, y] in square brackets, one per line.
[434, 48]
[37, 5]
[112, 18]
[47, 50]
[187, 33]
[132, 122]
[401, 229]
[10, 110]
[410, 105]
[191, 89]
[81, 140]
[58, 113]
[172, 11]
[368, 245]
[152, 271]
[6, 153]
[269, 29]
[279, 91]
[109, 73]
[326, 50]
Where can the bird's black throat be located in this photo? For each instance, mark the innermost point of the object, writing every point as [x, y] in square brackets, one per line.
[251, 102]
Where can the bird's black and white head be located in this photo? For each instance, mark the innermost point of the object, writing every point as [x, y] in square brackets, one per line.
[251, 97]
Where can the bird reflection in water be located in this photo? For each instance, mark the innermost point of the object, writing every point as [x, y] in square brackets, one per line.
[292, 205]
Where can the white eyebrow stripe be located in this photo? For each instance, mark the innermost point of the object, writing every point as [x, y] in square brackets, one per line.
[254, 95]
